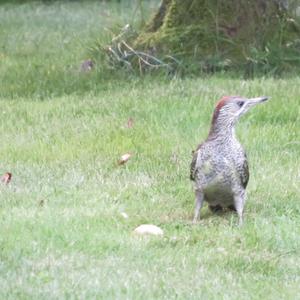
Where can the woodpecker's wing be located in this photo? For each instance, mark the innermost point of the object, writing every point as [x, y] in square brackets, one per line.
[245, 173]
[193, 163]
[193, 166]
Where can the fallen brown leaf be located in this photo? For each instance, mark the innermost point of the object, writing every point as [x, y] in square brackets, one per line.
[6, 178]
[130, 123]
[87, 66]
[124, 158]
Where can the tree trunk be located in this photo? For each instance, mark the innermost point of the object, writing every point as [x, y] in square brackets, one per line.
[221, 32]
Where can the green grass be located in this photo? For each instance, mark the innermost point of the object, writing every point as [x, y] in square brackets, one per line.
[42, 45]
[61, 230]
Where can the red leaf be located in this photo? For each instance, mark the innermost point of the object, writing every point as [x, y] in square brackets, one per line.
[6, 178]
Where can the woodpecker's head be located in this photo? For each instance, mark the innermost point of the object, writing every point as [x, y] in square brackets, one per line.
[228, 110]
[232, 107]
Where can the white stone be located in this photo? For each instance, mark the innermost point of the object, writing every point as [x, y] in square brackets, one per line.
[148, 229]
[124, 215]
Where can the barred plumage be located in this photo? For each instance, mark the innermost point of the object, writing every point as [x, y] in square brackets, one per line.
[219, 167]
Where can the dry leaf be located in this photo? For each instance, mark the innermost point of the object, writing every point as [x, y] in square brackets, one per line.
[87, 66]
[6, 178]
[148, 229]
[130, 123]
[124, 158]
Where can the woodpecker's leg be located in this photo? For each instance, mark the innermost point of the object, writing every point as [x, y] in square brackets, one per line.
[239, 202]
[198, 204]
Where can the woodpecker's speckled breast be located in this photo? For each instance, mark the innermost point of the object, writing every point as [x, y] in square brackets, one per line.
[220, 170]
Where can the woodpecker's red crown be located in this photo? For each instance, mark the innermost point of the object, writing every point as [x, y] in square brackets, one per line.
[232, 107]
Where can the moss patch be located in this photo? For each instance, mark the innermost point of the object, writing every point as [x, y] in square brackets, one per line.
[238, 33]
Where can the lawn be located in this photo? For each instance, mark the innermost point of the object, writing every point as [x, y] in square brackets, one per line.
[62, 132]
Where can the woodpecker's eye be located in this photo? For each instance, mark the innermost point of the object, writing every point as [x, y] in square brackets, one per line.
[240, 103]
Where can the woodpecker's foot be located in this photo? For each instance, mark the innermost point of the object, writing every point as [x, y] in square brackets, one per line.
[195, 221]
[215, 208]
[231, 207]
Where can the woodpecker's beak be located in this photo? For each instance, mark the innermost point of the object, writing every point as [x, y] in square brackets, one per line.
[254, 101]
[250, 103]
